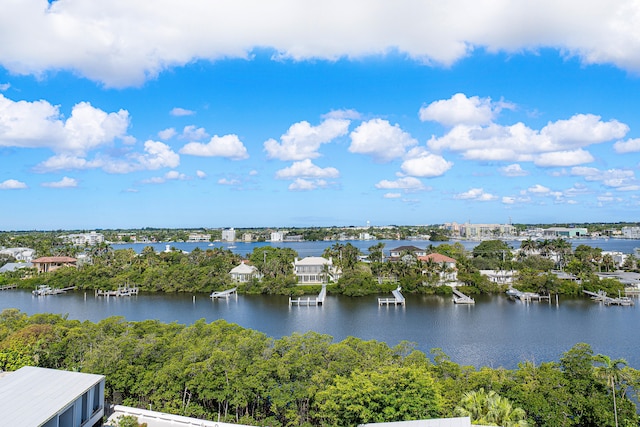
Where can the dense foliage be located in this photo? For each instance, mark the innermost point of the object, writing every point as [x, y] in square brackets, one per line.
[220, 370]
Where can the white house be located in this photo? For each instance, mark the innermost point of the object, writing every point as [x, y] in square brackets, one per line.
[501, 277]
[20, 254]
[402, 250]
[313, 269]
[44, 397]
[244, 273]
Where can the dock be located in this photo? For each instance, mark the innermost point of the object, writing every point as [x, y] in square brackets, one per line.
[398, 298]
[460, 298]
[7, 287]
[224, 294]
[601, 296]
[44, 290]
[319, 300]
[122, 291]
[527, 296]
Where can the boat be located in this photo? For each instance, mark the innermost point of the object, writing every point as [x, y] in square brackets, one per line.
[42, 290]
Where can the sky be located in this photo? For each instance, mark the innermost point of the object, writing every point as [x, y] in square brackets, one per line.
[282, 113]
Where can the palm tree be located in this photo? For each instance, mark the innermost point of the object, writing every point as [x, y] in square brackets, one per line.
[490, 409]
[611, 371]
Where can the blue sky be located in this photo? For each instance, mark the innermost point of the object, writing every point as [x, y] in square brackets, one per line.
[270, 114]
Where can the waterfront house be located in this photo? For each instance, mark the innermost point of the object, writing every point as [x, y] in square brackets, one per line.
[44, 397]
[244, 273]
[19, 254]
[52, 263]
[315, 270]
[396, 253]
[446, 266]
[500, 277]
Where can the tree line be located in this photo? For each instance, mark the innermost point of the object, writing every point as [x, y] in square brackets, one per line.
[220, 371]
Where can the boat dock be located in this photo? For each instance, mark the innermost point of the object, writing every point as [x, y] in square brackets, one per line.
[7, 287]
[527, 296]
[319, 300]
[44, 290]
[224, 294]
[460, 298]
[601, 296]
[122, 291]
[398, 298]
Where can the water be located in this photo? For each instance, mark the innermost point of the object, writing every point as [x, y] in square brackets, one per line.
[494, 332]
[316, 248]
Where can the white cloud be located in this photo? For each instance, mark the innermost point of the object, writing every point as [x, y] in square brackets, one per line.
[169, 176]
[301, 184]
[557, 144]
[253, 172]
[65, 182]
[307, 169]
[12, 184]
[193, 133]
[225, 181]
[617, 178]
[407, 183]
[538, 189]
[392, 195]
[39, 124]
[228, 146]
[4, 86]
[424, 164]
[302, 141]
[200, 174]
[513, 170]
[460, 110]
[128, 42]
[167, 133]
[343, 114]
[378, 138]
[628, 146]
[477, 194]
[179, 112]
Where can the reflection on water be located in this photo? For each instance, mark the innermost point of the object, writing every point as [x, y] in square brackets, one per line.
[494, 332]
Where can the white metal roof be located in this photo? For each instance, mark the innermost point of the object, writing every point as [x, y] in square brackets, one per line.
[31, 396]
[313, 260]
[438, 422]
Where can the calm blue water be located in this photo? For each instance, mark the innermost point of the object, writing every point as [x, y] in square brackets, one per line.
[494, 332]
[316, 248]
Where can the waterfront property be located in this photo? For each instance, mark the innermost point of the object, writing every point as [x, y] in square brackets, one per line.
[446, 266]
[315, 270]
[244, 273]
[44, 397]
[396, 254]
[319, 300]
[398, 298]
[224, 294]
[52, 263]
[500, 277]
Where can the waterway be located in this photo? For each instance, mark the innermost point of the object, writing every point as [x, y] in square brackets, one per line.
[315, 248]
[494, 332]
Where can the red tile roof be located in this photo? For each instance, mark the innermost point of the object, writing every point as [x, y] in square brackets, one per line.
[436, 257]
[54, 259]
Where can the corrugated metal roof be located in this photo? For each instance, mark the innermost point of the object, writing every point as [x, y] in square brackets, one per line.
[30, 396]
[439, 422]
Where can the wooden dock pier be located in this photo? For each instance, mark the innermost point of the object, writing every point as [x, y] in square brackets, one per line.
[319, 300]
[460, 298]
[527, 296]
[122, 291]
[7, 287]
[601, 296]
[398, 298]
[224, 294]
[44, 290]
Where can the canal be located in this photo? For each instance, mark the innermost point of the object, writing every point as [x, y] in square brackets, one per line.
[494, 332]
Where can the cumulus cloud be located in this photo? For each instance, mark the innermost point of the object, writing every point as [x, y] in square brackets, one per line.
[4, 86]
[179, 112]
[381, 140]
[302, 141]
[194, 133]
[617, 178]
[424, 164]
[538, 189]
[477, 194]
[39, 124]
[513, 170]
[460, 110]
[307, 169]
[407, 183]
[225, 181]
[559, 143]
[628, 146]
[392, 195]
[128, 42]
[169, 176]
[167, 133]
[12, 184]
[301, 184]
[200, 174]
[228, 146]
[65, 182]
[343, 114]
